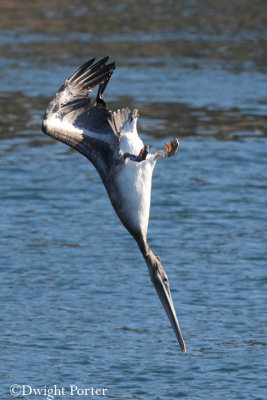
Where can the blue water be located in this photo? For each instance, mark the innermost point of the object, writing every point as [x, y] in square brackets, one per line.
[77, 304]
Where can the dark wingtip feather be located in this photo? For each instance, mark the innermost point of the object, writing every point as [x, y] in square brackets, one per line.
[94, 76]
[99, 63]
[84, 80]
[81, 69]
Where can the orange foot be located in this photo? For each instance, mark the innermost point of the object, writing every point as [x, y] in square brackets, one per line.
[143, 154]
[172, 147]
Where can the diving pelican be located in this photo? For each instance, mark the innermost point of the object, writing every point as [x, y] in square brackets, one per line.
[111, 142]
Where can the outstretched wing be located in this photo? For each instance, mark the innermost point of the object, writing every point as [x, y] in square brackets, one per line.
[73, 119]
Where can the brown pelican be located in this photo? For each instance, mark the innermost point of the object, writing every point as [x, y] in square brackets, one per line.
[111, 142]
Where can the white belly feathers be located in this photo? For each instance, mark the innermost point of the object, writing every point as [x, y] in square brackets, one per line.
[134, 181]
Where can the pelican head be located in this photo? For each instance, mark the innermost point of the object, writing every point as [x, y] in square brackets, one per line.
[161, 283]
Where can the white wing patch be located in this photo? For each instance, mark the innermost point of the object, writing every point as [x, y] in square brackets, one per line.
[60, 125]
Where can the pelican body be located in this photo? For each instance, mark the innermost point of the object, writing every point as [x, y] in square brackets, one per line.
[111, 142]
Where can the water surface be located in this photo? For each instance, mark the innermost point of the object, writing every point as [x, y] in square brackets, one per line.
[77, 304]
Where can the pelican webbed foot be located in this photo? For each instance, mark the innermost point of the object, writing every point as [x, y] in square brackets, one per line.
[141, 156]
[171, 149]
